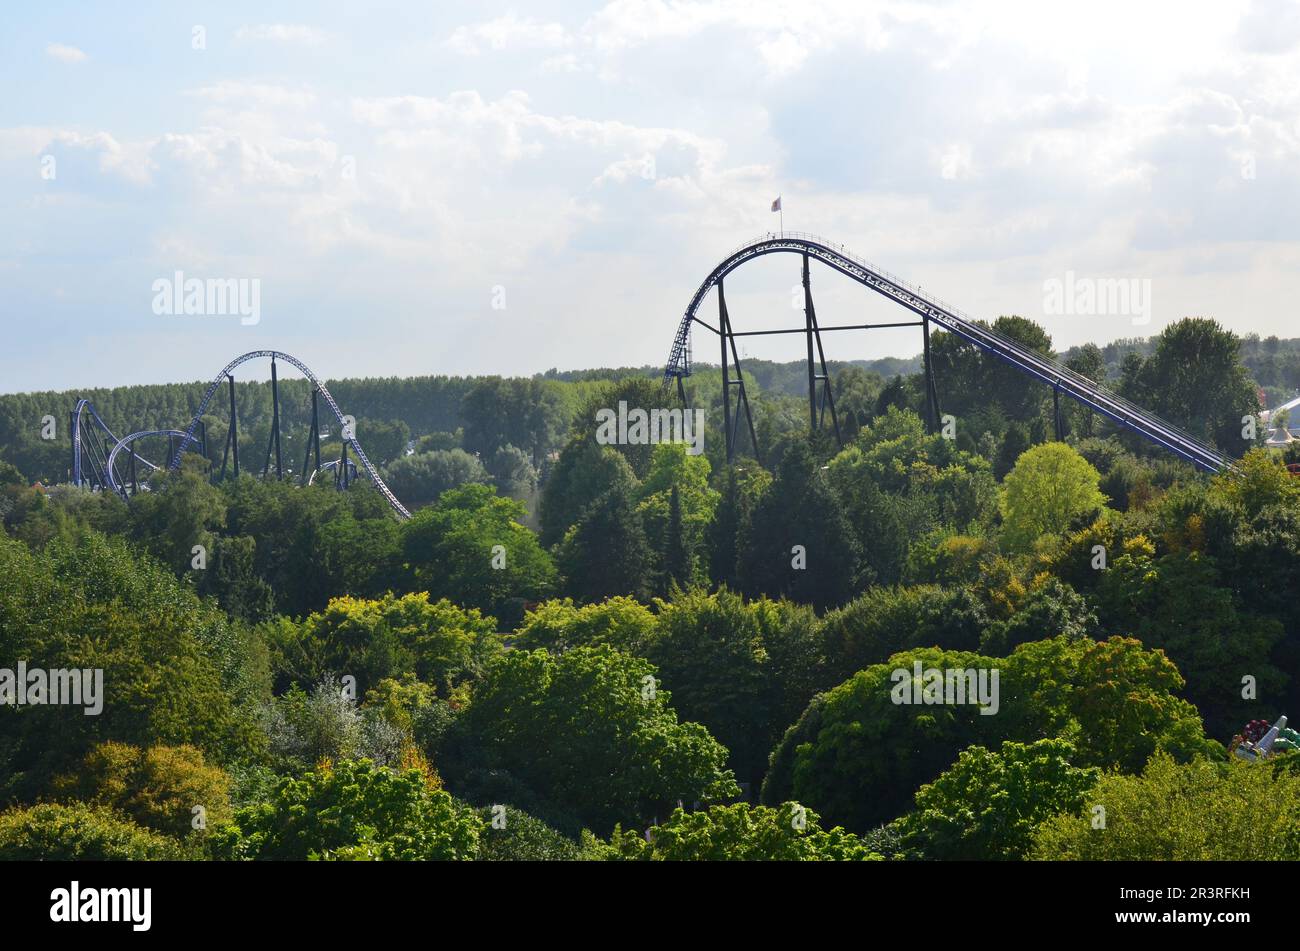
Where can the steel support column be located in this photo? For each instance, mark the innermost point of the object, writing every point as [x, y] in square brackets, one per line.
[931, 393]
[817, 406]
[1056, 413]
[313, 440]
[273, 442]
[232, 434]
[731, 430]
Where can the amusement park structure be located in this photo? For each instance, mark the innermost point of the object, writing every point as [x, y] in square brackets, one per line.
[102, 460]
[931, 313]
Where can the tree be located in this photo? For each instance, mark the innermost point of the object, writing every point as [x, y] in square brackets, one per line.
[1197, 811]
[1050, 488]
[883, 621]
[615, 751]
[423, 477]
[584, 472]
[743, 487]
[77, 832]
[676, 482]
[712, 653]
[471, 547]
[1178, 603]
[438, 641]
[513, 471]
[175, 670]
[857, 756]
[528, 413]
[740, 833]
[353, 810]
[677, 559]
[988, 804]
[158, 787]
[607, 553]
[1195, 379]
[798, 543]
[897, 484]
[621, 622]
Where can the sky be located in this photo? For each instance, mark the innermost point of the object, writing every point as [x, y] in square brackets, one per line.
[504, 188]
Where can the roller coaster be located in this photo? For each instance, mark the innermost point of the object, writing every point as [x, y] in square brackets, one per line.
[101, 460]
[932, 312]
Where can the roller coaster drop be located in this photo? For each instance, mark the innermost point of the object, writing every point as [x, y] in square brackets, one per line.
[931, 311]
[103, 453]
[95, 455]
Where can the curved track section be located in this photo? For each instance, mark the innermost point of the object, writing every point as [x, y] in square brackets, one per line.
[949, 318]
[84, 448]
[306, 371]
[125, 442]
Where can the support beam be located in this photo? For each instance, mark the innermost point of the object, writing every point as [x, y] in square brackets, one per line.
[313, 439]
[808, 327]
[275, 418]
[724, 328]
[731, 429]
[273, 440]
[931, 394]
[233, 433]
[1056, 413]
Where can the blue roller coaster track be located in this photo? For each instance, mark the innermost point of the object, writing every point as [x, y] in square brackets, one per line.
[101, 448]
[931, 309]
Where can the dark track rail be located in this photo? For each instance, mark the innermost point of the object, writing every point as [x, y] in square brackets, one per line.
[949, 318]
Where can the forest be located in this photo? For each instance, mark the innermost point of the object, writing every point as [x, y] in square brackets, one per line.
[582, 651]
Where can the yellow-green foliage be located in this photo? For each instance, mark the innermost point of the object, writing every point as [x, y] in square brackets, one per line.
[157, 787]
[1196, 811]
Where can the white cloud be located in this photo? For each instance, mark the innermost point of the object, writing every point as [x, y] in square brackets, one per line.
[282, 33]
[508, 32]
[65, 54]
[255, 95]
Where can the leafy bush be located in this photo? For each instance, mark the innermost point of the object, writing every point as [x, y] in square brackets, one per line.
[1196, 811]
[353, 810]
[988, 803]
[741, 832]
[77, 832]
[157, 787]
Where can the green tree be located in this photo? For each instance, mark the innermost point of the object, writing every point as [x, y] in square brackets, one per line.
[1049, 489]
[1197, 811]
[857, 756]
[798, 543]
[1195, 379]
[988, 804]
[614, 749]
[353, 810]
[157, 787]
[741, 833]
[439, 642]
[620, 622]
[77, 832]
[471, 547]
[423, 477]
[607, 552]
